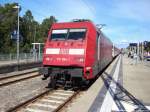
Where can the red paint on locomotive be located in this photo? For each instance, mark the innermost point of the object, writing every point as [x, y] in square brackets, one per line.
[90, 54]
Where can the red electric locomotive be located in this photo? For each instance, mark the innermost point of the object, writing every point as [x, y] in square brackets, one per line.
[74, 53]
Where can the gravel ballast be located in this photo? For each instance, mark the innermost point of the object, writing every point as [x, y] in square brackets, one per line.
[19, 92]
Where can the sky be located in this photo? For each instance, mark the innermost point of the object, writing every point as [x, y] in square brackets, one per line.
[126, 20]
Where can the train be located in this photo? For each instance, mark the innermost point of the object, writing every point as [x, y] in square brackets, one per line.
[74, 53]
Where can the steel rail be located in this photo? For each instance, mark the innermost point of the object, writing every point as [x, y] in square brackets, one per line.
[20, 74]
[40, 96]
[66, 102]
[21, 105]
[17, 80]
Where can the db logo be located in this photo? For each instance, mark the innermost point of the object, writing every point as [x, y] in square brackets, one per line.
[64, 51]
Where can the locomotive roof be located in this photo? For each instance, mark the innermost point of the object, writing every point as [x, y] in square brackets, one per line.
[79, 24]
[82, 24]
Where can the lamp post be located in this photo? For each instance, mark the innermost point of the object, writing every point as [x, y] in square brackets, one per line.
[17, 7]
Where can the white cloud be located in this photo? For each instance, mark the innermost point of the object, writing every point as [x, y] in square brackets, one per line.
[72, 9]
[126, 34]
[132, 9]
[124, 41]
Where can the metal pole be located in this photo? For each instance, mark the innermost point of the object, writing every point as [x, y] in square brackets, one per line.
[39, 51]
[34, 51]
[113, 50]
[34, 34]
[18, 40]
[138, 51]
[142, 51]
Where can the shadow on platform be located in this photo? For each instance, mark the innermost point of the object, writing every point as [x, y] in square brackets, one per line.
[120, 94]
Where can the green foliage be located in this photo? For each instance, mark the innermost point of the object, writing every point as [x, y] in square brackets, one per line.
[30, 30]
[8, 17]
[46, 24]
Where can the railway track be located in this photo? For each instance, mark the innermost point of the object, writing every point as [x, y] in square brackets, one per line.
[48, 101]
[4, 81]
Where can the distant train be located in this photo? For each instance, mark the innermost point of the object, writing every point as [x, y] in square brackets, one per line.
[75, 52]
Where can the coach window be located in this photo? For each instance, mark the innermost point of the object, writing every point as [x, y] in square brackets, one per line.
[76, 34]
[59, 34]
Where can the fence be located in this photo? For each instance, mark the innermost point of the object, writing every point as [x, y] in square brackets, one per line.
[25, 57]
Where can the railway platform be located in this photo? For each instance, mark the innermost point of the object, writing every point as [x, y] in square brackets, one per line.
[11, 62]
[12, 66]
[123, 86]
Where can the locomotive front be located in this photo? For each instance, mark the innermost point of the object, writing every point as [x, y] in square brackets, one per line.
[64, 54]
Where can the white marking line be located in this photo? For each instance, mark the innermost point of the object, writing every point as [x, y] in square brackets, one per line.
[52, 101]
[52, 50]
[114, 107]
[76, 51]
[128, 106]
[45, 105]
[65, 94]
[108, 101]
[57, 97]
[148, 107]
[35, 110]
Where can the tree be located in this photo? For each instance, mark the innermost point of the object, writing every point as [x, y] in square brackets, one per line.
[27, 30]
[8, 23]
[45, 26]
[30, 30]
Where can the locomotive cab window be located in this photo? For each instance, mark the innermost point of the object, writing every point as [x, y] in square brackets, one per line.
[75, 34]
[59, 34]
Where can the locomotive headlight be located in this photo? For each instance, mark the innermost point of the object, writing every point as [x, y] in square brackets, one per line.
[88, 68]
[47, 58]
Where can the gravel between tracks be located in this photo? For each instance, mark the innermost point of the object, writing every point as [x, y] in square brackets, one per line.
[19, 92]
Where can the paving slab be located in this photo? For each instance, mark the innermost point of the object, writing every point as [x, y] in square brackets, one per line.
[84, 101]
[136, 78]
[124, 86]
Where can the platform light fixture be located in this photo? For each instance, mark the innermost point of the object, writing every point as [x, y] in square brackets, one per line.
[17, 7]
